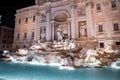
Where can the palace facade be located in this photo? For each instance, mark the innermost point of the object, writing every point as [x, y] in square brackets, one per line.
[6, 38]
[80, 20]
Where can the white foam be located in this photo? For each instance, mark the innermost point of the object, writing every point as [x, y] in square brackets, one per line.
[54, 64]
[114, 65]
[66, 67]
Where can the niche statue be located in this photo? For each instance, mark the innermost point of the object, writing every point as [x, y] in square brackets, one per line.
[59, 33]
[43, 34]
[83, 30]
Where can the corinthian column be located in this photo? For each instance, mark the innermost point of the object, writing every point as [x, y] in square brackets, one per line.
[90, 23]
[37, 24]
[52, 30]
[72, 11]
[69, 30]
[48, 25]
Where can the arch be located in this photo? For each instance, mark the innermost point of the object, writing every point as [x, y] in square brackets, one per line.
[58, 12]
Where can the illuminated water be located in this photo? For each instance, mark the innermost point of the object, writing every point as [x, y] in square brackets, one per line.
[25, 71]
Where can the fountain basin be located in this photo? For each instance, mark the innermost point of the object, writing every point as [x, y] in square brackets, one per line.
[28, 71]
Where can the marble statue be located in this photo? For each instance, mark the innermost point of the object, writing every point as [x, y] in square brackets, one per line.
[108, 48]
[59, 33]
[83, 30]
[43, 34]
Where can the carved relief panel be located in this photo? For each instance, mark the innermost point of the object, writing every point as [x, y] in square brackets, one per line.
[81, 10]
[42, 17]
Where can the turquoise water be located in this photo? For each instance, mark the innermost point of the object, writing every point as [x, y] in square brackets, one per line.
[25, 71]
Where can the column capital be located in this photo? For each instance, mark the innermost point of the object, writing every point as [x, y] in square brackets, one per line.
[90, 4]
[52, 21]
[48, 8]
[106, 2]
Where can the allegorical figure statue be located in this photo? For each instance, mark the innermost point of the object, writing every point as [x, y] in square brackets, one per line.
[83, 30]
[43, 34]
[59, 33]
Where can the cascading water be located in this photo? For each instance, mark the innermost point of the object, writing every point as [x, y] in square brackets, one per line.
[66, 53]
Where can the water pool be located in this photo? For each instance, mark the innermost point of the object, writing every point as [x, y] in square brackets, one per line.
[26, 71]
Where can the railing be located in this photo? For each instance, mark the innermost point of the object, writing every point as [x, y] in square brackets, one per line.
[116, 32]
[100, 33]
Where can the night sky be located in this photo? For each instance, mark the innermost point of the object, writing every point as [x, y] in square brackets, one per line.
[8, 9]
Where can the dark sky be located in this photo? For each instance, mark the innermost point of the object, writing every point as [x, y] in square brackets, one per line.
[8, 9]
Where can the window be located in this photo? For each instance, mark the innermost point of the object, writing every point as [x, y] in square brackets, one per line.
[19, 21]
[17, 47]
[11, 42]
[3, 41]
[117, 43]
[116, 26]
[98, 7]
[24, 46]
[4, 35]
[26, 20]
[18, 36]
[32, 35]
[100, 27]
[113, 4]
[33, 18]
[101, 45]
[3, 46]
[7, 46]
[25, 35]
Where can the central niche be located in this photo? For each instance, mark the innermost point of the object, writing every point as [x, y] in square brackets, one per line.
[61, 26]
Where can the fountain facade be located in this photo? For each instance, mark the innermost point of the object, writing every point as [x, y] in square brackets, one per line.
[78, 20]
[69, 32]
